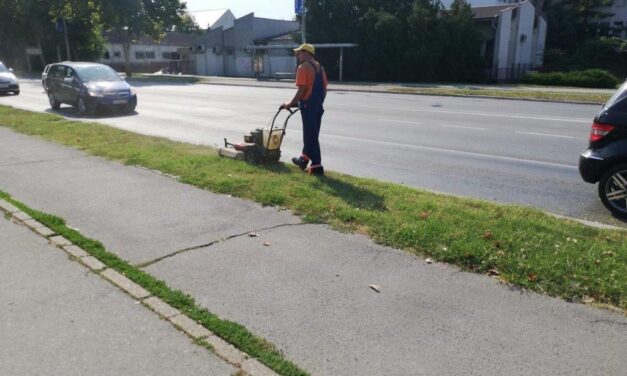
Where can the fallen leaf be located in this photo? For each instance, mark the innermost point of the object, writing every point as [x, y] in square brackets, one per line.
[253, 234]
[532, 277]
[488, 235]
[424, 215]
[376, 288]
[267, 244]
[493, 272]
[429, 261]
[587, 300]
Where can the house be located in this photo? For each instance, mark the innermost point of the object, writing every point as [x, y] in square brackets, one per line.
[146, 54]
[212, 19]
[514, 37]
[224, 51]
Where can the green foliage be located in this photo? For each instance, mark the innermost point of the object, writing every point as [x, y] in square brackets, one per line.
[399, 40]
[33, 23]
[594, 78]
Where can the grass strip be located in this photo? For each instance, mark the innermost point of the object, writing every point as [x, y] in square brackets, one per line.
[232, 332]
[157, 78]
[556, 96]
[520, 246]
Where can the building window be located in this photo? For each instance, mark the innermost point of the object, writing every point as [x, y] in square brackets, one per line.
[117, 54]
[107, 56]
[171, 56]
[150, 54]
[140, 55]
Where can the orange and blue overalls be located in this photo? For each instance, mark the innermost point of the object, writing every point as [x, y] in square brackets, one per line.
[311, 111]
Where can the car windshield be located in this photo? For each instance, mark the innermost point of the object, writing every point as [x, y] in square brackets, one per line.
[3, 68]
[97, 73]
[620, 94]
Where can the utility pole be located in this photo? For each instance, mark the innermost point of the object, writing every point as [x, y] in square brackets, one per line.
[67, 42]
[303, 16]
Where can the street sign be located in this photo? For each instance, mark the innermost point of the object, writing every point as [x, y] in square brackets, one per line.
[59, 25]
[298, 7]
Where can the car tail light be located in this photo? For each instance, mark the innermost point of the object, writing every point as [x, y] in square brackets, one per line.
[599, 131]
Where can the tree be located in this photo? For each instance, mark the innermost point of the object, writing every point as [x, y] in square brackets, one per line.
[132, 19]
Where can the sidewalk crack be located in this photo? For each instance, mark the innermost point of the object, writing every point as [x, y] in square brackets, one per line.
[185, 250]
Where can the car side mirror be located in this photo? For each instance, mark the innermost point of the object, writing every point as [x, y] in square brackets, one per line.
[122, 75]
[11, 70]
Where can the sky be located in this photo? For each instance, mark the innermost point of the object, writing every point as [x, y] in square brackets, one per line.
[277, 9]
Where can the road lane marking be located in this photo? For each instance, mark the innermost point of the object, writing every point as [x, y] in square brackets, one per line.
[513, 116]
[457, 152]
[431, 124]
[546, 135]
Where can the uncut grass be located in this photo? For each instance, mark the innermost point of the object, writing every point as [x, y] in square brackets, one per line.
[234, 333]
[521, 246]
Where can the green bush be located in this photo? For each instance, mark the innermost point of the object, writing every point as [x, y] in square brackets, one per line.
[594, 78]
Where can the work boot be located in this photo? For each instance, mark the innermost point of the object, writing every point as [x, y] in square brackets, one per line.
[300, 162]
[317, 170]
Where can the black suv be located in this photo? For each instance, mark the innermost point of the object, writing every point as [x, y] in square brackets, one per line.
[89, 87]
[605, 159]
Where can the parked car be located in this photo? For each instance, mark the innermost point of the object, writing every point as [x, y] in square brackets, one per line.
[8, 81]
[44, 74]
[89, 87]
[605, 159]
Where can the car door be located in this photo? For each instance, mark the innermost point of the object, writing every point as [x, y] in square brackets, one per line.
[66, 85]
[52, 81]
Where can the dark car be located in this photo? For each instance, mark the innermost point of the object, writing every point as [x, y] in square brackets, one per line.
[89, 87]
[44, 74]
[605, 159]
[8, 81]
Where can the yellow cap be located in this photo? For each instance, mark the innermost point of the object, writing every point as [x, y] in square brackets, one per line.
[307, 48]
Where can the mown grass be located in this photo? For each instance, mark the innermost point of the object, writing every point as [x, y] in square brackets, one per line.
[521, 246]
[557, 96]
[232, 332]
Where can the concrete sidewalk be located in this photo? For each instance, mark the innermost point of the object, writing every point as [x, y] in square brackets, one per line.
[305, 287]
[57, 318]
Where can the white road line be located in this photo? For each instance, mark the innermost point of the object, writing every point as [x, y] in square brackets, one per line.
[545, 134]
[431, 124]
[512, 116]
[456, 152]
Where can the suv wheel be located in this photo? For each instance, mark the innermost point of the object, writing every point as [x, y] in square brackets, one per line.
[613, 190]
[53, 101]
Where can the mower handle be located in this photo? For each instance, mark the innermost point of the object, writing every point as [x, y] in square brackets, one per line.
[288, 109]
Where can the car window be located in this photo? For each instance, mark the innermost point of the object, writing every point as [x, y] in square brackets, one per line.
[3, 68]
[97, 73]
[69, 72]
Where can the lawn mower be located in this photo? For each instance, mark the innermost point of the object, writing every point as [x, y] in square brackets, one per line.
[261, 145]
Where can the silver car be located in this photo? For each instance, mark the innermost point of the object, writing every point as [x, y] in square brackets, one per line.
[8, 81]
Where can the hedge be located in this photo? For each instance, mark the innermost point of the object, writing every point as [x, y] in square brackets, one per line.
[593, 78]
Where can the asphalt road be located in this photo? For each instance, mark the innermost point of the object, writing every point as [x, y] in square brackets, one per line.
[507, 151]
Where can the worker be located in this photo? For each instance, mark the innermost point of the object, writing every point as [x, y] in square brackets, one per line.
[311, 81]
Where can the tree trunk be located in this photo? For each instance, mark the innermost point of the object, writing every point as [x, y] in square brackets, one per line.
[41, 51]
[127, 59]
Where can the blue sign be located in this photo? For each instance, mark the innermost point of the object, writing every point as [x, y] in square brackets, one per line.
[59, 25]
[298, 7]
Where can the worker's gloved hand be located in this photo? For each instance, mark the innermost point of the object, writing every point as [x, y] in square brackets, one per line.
[285, 106]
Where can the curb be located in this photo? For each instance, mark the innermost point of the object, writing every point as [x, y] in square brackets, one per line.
[245, 364]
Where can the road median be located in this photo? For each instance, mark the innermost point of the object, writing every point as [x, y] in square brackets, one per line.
[519, 246]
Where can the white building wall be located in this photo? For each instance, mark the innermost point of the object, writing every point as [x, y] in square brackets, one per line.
[158, 50]
[503, 33]
[524, 36]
